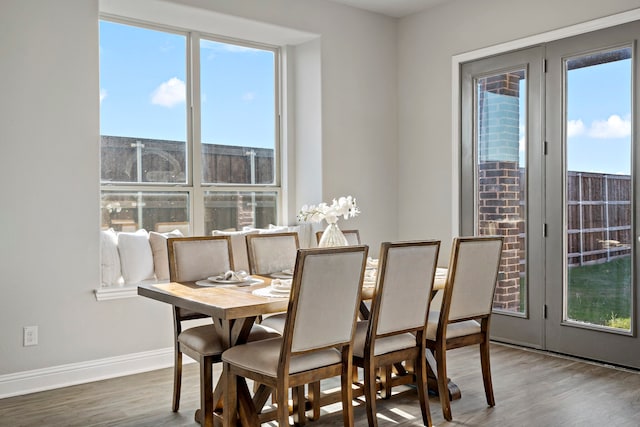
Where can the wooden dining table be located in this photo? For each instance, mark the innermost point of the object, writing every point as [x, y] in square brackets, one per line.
[233, 309]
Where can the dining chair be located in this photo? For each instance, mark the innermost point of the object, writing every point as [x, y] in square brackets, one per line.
[317, 340]
[352, 236]
[396, 328]
[272, 253]
[192, 259]
[464, 315]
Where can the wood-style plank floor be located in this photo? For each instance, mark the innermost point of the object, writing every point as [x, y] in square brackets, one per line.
[531, 389]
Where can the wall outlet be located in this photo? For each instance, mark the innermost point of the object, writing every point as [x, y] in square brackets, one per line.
[30, 336]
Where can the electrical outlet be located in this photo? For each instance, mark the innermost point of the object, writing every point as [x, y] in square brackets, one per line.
[30, 335]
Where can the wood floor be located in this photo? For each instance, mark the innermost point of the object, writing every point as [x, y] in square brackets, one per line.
[531, 389]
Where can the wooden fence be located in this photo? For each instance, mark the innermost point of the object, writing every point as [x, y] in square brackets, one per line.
[598, 217]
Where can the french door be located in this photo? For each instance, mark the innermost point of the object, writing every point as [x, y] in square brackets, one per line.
[548, 161]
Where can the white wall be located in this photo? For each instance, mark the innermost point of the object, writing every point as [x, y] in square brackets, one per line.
[426, 44]
[49, 133]
[381, 81]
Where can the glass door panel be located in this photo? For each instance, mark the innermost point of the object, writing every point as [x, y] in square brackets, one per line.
[591, 292]
[598, 190]
[501, 151]
[501, 178]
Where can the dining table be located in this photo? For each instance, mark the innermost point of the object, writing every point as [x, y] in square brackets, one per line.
[235, 307]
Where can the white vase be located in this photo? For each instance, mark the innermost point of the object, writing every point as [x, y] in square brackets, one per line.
[332, 236]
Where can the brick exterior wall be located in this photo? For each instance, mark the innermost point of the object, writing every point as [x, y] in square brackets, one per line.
[500, 211]
[499, 214]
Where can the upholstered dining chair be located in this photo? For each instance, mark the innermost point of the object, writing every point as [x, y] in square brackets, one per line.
[464, 316]
[317, 338]
[396, 329]
[192, 259]
[272, 253]
[352, 236]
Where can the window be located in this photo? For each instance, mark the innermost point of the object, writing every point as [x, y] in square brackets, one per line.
[189, 133]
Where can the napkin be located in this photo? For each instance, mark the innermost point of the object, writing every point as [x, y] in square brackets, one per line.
[238, 276]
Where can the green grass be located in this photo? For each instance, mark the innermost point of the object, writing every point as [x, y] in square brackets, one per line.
[600, 294]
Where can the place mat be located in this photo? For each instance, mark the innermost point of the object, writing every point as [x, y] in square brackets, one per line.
[269, 292]
[249, 282]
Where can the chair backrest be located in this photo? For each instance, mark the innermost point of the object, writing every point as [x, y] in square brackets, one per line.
[272, 252]
[352, 236]
[238, 246]
[196, 258]
[325, 296]
[405, 281]
[472, 277]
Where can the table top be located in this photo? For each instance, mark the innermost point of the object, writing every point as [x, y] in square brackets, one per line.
[232, 302]
[222, 302]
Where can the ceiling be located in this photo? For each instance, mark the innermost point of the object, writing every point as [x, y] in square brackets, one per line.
[394, 8]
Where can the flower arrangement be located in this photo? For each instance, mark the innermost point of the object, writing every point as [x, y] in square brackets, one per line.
[343, 206]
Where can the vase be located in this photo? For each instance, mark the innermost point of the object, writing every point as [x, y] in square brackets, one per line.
[332, 236]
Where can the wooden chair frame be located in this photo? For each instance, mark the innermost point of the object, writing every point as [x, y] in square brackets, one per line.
[180, 315]
[417, 354]
[250, 238]
[439, 346]
[236, 397]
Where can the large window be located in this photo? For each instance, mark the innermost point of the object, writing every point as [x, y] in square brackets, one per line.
[189, 133]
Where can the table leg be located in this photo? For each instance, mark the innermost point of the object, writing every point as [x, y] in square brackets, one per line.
[432, 379]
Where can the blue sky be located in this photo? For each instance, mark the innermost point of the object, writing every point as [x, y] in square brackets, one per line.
[143, 86]
[599, 118]
[143, 94]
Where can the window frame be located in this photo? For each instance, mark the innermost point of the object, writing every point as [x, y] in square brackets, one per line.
[194, 185]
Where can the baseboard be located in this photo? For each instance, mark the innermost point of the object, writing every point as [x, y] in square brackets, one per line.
[54, 377]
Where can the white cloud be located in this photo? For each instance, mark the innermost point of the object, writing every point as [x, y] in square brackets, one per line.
[574, 128]
[249, 96]
[103, 94]
[169, 93]
[613, 127]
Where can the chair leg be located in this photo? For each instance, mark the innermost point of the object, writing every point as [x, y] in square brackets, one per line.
[229, 417]
[370, 393]
[299, 402]
[206, 391]
[420, 368]
[281, 398]
[385, 381]
[486, 372]
[443, 390]
[314, 398]
[347, 392]
[177, 380]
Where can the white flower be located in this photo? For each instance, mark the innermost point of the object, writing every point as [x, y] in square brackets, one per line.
[343, 207]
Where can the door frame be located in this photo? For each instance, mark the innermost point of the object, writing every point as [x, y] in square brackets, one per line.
[522, 43]
[523, 328]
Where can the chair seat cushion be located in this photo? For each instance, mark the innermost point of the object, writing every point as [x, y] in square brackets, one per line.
[458, 329]
[382, 345]
[275, 322]
[202, 339]
[263, 357]
[206, 341]
[260, 332]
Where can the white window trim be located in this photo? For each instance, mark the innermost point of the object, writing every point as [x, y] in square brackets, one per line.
[194, 187]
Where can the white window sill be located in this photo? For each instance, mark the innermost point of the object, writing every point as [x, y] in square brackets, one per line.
[116, 292]
[122, 291]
